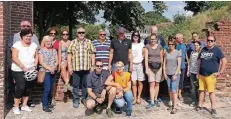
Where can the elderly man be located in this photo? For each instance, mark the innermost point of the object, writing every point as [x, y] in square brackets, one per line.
[26, 25]
[81, 59]
[120, 50]
[97, 90]
[102, 48]
[209, 61]
[154, 30]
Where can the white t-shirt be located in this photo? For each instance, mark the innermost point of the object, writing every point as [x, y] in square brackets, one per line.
[26, 55]
[193, 62]
[137, 50]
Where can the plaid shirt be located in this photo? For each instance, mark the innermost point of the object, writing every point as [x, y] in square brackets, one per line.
[81, 54]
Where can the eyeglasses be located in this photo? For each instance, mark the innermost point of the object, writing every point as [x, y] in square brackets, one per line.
[171, 44]
[211, 41]
[99, 66]
[102, 34]
[65, 34]
[81, 32]
[52, 33]
[26, 26]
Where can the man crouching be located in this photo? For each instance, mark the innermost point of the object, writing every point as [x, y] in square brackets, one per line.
[97, 90]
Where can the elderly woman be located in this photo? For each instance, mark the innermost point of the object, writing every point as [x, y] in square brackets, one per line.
[52, 32]
[25, 58]
[48, 60]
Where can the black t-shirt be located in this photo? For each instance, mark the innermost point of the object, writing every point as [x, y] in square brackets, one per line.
[210, 60]
[121, 50]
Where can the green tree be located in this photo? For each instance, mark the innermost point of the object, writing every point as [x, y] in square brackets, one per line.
[92, 31]
[159, 6]
[153, 17]
[179, 18]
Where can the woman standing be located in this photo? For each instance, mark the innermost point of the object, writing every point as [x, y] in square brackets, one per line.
[25, 58]
[192, 72]
[153, 65]
[63, 45]
[171, 69]
[48, 60]
[52, 32]
[137, 72]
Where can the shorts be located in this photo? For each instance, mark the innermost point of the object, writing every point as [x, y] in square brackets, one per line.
[207, 82]
[173, 85]
[137, 72]
[155, 77]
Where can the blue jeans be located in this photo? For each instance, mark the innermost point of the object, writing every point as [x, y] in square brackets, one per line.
[48, 87]
[181, 83]
[194, 85]
[126, 67]
[173, 85]
[77, 77]
[121, 102]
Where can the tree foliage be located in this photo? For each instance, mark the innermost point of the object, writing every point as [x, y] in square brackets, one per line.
[152, 17]
[159, 6]
[179, 18]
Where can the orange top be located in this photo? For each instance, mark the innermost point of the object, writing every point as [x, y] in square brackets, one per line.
[122, 80]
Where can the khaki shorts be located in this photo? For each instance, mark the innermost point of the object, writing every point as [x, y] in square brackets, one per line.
[155, 76]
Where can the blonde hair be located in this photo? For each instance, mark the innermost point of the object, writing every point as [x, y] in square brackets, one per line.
[120, 62]
[46, 38]
[64, 29]
[101, 30]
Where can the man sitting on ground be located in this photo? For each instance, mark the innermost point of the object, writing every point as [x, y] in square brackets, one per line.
[97, 90]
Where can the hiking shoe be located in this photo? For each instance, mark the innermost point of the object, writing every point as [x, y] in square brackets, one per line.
[46, 109]
[109, 112]
[26, 108]
[170, 103]
[199, 108]
[150, 105]
[193, 104]
[76, 105]
[16, 110]
[128, 115]
[213, 112]
[157, 103]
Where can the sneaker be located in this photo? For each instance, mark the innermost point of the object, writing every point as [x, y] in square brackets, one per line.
[109, 112]
[26, 108]
[213, 112]
[51, 107]
[76, 105]
[150, 105]
[47, 109]
[128, 115]
[170, 103]
[16, 110]
[193, 104]
[199, 108]
[157, 103]
[118, 110]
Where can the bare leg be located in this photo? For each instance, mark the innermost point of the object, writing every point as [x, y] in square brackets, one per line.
[112, 94]
[212, 99]
[16, 102]
[64, 74]
[174, 99]
[134, 89]
[90, 104]
[140, 88]
[25, 100]
[152, 91]
[201, 98]
[156, 90]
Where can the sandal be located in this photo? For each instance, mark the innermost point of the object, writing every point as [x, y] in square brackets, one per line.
[138, 100]
[174, 110]
[169, 108]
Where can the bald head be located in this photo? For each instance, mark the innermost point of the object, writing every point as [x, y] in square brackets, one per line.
[179, 37]
[25, 25]
[154, 30]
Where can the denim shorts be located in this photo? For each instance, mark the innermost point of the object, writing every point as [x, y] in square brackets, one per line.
[173, 85]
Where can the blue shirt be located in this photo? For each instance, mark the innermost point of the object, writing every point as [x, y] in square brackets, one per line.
[190, 47]
[160, 39]
[182, 48]
[210, 60]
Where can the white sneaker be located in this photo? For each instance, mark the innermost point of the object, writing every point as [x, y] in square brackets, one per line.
[170, 103]
[16, 110]
[179, 104]
[26, 108]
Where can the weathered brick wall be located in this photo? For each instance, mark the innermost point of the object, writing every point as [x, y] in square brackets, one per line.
[223, 37]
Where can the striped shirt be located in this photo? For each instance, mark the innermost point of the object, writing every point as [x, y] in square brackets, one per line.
[81, 54]
[102, 50]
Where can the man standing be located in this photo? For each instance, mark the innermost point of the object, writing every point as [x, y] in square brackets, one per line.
[209, 61]
[81, 59]
[26, 25]
[102, 48]
[121, 50]
[190, 46]
[181, 47]
[154, 30]
[97, 89]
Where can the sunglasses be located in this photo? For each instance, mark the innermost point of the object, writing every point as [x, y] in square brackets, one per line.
[26, 26]
[81, 32]
[99, 66]
[65, 34]
[52, 33]
[102, 34]
[153, 39]
[171, 44]
[136, 35]
[211, 41]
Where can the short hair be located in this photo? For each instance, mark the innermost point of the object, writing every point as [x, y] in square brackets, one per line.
[101, 30]
[25, 32]
[194, 33]
[46, 38]
[120, 62]
[64, 29]
[171, 37]
[98, 61]
[80, 28]
[50, 29]
[133, 36]
[198, 42]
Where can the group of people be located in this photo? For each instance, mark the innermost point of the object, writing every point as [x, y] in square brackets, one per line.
[113, 71]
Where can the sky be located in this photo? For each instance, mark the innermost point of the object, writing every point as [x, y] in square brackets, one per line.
[174, 7]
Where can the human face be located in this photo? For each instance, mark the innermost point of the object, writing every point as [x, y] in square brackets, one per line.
[153, 40]
[65, 35]
[171, 45]
[48, 43]
[179, 39]
[27, 38]
[81, 34]
[136, 37]
[119, 68]
[25, 25]
[154, 30]
[121, 36]
[102, 35]
[52, 34]
[98, 67]
[210, 41]
[197, 46]
[195, 37]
